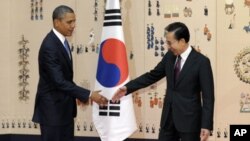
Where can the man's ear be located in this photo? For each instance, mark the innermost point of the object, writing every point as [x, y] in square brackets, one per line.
[56, 22]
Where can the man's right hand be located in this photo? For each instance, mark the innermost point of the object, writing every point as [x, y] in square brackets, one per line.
[119, 94]
[98, 98]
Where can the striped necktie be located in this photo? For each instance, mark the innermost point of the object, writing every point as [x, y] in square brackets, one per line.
[177, 68]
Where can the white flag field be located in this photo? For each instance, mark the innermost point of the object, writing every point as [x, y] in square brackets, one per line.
[116, 121]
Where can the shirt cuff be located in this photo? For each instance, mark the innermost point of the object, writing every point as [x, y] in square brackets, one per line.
[90, 94]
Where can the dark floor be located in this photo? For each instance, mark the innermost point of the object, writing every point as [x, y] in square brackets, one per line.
[12, 137]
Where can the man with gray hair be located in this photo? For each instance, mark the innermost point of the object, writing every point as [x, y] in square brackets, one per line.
[188, 110]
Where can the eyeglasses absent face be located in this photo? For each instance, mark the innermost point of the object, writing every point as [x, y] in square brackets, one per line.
[171, 43]
[66, 24]
[170, 39]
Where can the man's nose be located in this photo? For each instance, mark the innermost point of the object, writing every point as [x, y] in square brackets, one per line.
[73, 25]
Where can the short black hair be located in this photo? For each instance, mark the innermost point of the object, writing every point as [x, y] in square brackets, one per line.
[60, 11]
[180, 31]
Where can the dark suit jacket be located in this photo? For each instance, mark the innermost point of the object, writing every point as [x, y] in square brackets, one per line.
[56, 93]
[191, 98]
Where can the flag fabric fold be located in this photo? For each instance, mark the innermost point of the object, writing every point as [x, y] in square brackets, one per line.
[116, 121]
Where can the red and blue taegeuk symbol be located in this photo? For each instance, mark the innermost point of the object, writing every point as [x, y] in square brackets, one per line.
[112, 67]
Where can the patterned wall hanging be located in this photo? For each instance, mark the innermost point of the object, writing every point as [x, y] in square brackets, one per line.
[229, 7]
[172, 11]
[247, 28]
[232, 22]
[205, 9]
[36, 10]
[207, 33]
[96, 10]
[247, 3]
[187, 12]
[131, 55]
[157, 4]
[24, 71]
[242, 65]
[245, 103]
[221, 134]
[91, 42]
[175, 11]
[158, 13]
[149, 8]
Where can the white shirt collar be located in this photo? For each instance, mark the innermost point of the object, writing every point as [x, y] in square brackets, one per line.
[59, 35]
[185, 54]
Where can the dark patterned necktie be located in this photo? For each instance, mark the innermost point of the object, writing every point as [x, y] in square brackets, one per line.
[177, 68]
[66, 46]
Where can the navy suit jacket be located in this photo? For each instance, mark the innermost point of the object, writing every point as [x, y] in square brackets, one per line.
[191, 99]
[55, 102]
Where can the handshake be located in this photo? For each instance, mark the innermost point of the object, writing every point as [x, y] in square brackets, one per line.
[103, 101]
[98, 98]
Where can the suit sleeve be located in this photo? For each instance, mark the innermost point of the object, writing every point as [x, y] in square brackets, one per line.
[207, 88]
[51, 62]
[148, 78]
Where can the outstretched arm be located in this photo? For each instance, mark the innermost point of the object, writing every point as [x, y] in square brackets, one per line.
[119, 94]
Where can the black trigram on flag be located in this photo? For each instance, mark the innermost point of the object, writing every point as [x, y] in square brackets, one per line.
[113, 109]
[112, 17]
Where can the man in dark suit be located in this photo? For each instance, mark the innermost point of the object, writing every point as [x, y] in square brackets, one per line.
[189, 102]
[55, 105]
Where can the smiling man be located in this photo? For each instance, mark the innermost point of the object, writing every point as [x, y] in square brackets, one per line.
[189, 102]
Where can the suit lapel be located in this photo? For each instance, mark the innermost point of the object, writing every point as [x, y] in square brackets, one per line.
[169, 65]
[188, 64]
[173, 58]
[62, 50]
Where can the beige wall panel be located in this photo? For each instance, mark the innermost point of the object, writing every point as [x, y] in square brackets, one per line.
[230, 88]
[5, 66]
[222, 50]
